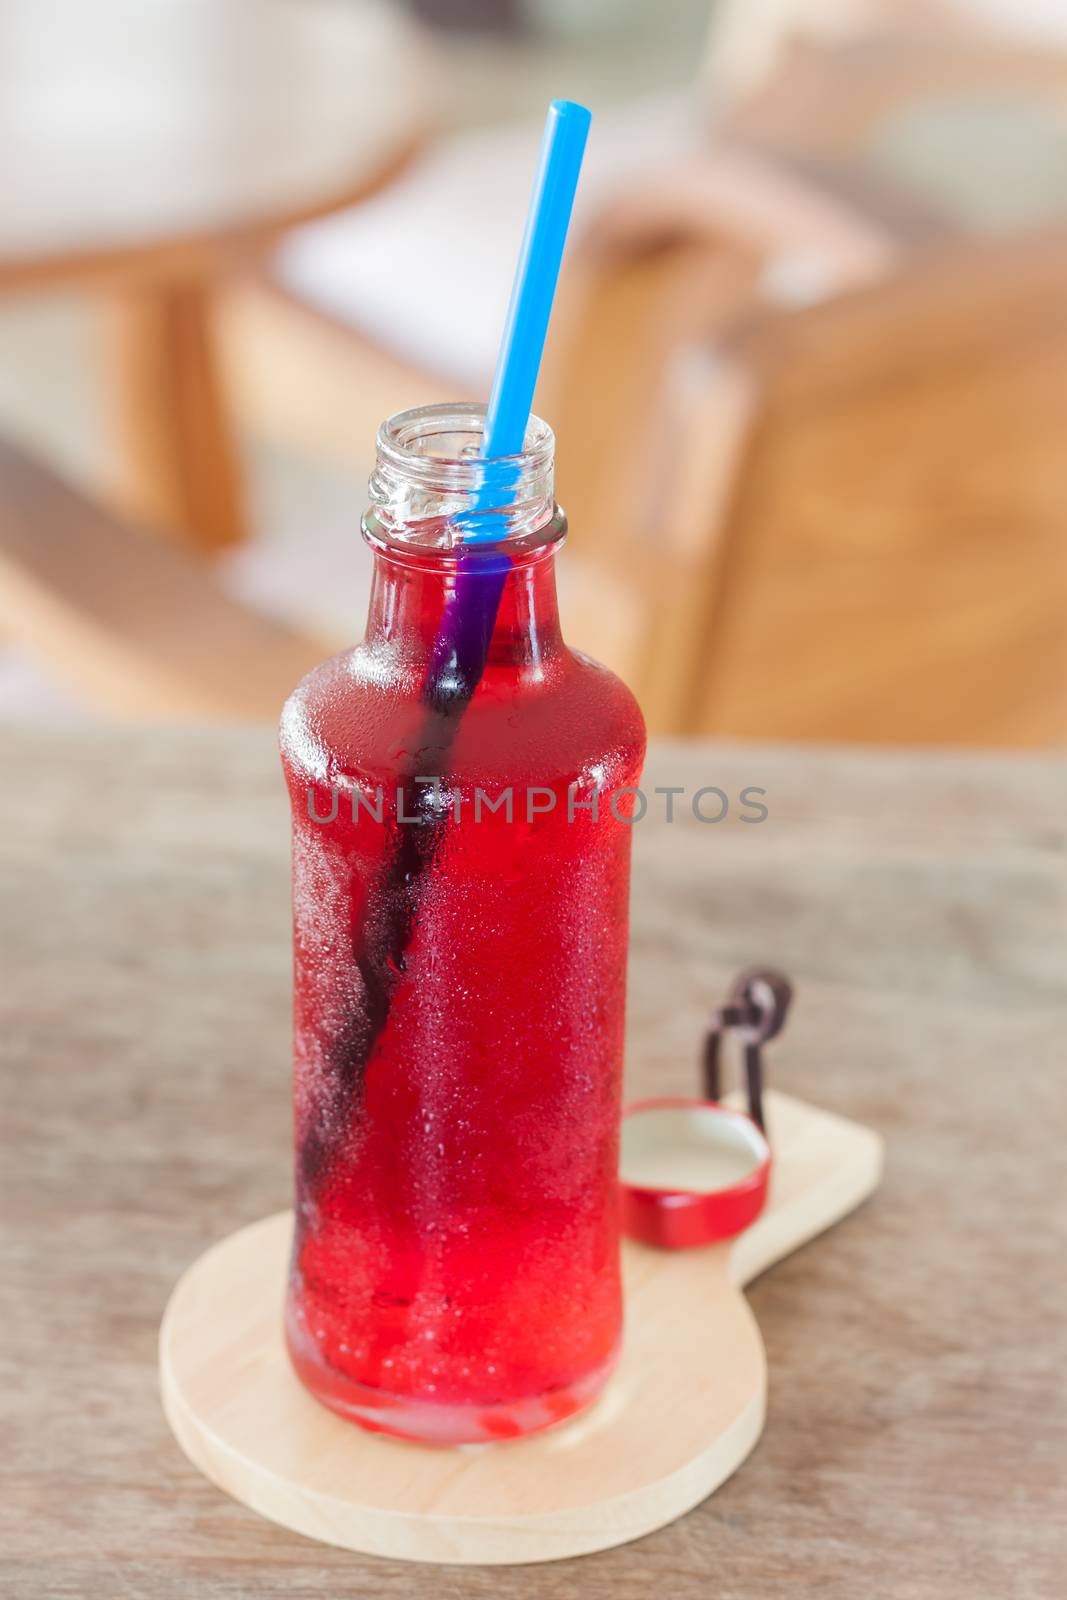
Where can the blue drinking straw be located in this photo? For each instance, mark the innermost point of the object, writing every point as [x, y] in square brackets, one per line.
[534, 288]
[460, 648]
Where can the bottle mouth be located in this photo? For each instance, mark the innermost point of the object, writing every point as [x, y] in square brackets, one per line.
[431, 491]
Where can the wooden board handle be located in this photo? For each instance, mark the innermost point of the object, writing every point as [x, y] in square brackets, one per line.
[823, 1167]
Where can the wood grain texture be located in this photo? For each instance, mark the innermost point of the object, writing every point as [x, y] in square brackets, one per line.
[919, 1421]
[895, 567]
[680, 1413]
[180, 464]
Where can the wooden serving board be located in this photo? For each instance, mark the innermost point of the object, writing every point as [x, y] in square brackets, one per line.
[683, 1409]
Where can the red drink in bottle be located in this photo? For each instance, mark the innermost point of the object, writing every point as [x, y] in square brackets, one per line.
[461, 871]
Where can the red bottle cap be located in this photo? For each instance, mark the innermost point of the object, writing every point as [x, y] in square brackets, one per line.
[691, 1172]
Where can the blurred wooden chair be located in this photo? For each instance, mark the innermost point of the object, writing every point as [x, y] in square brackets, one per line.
[740, 200]
[135, 626]
[891, 564]
[793, 185]
[642, 295]
[402, 301]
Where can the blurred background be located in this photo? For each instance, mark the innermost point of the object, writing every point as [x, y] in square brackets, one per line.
[808, 373]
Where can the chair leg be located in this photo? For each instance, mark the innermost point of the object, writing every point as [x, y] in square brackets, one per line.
[179, 462]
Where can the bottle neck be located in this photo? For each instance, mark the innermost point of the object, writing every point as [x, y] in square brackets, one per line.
[464, 579]
[495, 605]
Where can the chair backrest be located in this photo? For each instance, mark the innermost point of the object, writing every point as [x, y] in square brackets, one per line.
[895, 564]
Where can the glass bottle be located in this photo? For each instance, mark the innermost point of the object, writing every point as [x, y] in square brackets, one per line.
[460, 892]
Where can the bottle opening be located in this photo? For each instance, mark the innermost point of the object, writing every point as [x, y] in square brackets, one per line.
[431, 490]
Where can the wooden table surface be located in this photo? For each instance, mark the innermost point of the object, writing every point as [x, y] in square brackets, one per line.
[917, 1425]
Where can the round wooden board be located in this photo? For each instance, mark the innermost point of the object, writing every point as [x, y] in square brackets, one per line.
[684, 1408]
